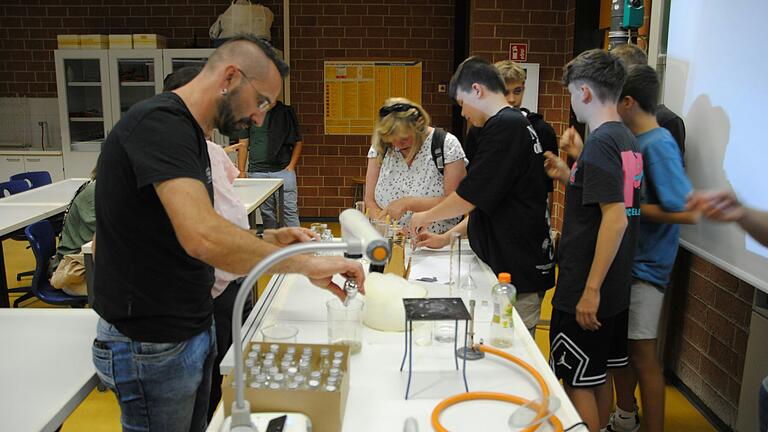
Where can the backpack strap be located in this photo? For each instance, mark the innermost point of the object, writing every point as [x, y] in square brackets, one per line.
[438, 143]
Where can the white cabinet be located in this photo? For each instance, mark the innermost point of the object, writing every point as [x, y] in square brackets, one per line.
[96, 87]
[16, 162]
[10, 165]
[85, 110]
[53, 164]
[134, 75]
[175, 59]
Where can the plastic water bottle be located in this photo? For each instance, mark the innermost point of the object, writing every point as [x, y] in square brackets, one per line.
[504, 295]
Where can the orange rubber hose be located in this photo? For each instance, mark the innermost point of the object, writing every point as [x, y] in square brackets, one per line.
[502, 397]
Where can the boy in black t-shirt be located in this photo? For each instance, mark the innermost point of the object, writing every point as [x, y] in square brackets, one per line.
[504, 190]
[588, 332]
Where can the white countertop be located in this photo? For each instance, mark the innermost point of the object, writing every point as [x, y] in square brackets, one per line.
[253, 192]
[377, 388]
[46, 368]
[59, 193]
[30, 152]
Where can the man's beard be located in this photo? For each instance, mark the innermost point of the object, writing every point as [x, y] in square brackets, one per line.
[225, 120]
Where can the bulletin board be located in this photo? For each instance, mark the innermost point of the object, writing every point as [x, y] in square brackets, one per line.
[355, 90]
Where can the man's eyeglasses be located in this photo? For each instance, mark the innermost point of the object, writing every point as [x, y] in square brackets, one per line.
[264, 104]
[398, 107]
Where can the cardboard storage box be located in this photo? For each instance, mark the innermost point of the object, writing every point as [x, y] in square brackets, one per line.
[325, 409]
[94, 41]
[68, 41]
[148, 40]
[121, 41]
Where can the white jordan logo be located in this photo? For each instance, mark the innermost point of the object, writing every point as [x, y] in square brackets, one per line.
[562, 362]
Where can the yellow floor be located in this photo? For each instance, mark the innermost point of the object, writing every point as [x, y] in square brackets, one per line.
[100, 412]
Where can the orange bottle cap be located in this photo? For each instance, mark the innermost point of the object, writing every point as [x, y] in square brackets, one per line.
[505, 278]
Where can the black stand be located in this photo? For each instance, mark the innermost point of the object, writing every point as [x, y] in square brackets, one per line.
[434, 309]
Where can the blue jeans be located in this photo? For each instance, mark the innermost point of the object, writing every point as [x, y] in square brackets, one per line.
[160, 386]
[290, 195]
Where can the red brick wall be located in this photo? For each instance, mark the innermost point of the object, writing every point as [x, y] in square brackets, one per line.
[334, 29]
[708, 329]
[28, 32]
[547, 27]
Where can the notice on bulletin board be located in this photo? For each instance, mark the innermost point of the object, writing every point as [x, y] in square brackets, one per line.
[355, 90]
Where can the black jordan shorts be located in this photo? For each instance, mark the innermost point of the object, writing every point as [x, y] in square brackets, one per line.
[581, 357]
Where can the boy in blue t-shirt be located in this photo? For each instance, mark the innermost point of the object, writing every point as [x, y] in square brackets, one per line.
[663, 207]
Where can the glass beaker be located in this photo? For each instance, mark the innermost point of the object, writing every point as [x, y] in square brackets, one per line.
[280, 333]
[445, 331]
[345, 323]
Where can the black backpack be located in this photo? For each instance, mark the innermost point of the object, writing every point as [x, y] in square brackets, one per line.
[438, 155]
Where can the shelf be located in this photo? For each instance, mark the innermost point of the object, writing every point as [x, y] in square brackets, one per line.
[137, 84]
[86, 119]
[84, 84]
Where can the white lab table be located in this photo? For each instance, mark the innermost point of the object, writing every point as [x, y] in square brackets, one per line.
[60, 192]
[253, 193]
[22, 209]
[377, 387]
[46, 369]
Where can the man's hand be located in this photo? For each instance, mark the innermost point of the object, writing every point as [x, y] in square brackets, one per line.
[396, 209]
[586, 309]
[431, 240]
[571, 143]
[287, 236]
[555, 167]
[418, 222]
[320, 271]
[721, 206]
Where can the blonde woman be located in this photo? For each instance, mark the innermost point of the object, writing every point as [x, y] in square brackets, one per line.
[405, 173]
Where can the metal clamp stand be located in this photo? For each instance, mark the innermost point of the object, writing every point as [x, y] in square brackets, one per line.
[468, 351]
[434, 309]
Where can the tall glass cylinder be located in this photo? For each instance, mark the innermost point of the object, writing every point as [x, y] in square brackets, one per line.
[445, 331]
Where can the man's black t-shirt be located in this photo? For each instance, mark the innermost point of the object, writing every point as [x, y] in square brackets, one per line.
[547, 138]
[544, 131]
[609, 170]
[146, 285]
[509, 229]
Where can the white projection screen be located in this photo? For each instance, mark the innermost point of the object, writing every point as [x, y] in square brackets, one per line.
[716, 78]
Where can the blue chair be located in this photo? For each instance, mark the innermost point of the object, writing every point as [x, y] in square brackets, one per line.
[13, 187]
[35, 178]
[43, 243]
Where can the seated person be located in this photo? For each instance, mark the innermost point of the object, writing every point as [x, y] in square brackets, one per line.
[67, 266]
[403, 174]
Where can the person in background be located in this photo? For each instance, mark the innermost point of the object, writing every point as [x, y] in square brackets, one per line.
[273, 151]
[504, 190]
[588, 332]
[665, 189]
[159, 237]
[403, 175]
[67, 266]
[630, 55]
[724, 206]
[228, 205]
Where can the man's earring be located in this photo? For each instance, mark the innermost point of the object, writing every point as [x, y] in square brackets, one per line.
[224, 91]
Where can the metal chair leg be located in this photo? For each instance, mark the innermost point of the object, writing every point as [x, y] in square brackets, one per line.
[25, 297]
